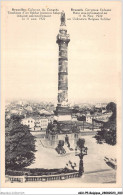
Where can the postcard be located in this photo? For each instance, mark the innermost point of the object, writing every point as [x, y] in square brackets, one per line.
[61, 94]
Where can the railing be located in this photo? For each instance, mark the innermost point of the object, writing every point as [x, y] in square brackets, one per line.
[13, 179]
[44, 178]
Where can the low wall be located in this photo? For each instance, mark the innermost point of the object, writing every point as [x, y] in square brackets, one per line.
[83, 133]
[44, 178]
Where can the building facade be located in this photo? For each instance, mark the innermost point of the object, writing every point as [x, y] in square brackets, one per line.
[99, 117]
[35, 123]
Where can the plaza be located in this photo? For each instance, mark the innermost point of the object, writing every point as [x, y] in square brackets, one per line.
[95, 168]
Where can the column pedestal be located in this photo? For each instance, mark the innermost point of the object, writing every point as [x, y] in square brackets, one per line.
[63, 113]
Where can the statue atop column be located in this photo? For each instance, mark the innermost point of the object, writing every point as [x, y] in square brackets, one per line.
[63, 19]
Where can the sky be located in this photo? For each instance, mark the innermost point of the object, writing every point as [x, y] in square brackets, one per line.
[30, 54]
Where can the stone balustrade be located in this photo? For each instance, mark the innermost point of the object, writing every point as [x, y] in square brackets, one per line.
[43, 178]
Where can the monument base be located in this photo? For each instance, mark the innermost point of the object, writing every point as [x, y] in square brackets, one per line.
[63, 113]
[64, 122]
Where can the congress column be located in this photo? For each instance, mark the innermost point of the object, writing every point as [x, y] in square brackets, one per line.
[63, 111]
[63, 40]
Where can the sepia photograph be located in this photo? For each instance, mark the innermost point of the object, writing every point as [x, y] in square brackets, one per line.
[61, 94]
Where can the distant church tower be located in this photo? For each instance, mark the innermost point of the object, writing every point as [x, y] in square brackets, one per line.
[63, 111]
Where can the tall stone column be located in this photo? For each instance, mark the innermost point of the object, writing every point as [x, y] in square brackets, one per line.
[63, 112]
[63, 40]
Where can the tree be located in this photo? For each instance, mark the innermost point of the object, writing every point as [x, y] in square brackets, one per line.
[19, 145]
[108, 131]
[81, 118]
[52, 128]
[112, 107]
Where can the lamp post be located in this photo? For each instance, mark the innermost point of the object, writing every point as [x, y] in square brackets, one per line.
[83, 151]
